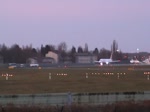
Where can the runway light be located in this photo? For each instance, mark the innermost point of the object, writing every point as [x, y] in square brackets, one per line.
[118, 76]
[86, 76]
[147, 77]
[7, 75]
[50, 77]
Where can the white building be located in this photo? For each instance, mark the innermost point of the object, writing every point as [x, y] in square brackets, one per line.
[53, 55]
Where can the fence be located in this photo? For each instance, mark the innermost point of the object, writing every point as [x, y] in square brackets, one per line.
[73, 98]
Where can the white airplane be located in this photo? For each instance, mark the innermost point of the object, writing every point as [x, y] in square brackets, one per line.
[135, 61]
[147, 61]
[107, 61]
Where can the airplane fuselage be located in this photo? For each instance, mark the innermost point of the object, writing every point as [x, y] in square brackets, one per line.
[106, 61]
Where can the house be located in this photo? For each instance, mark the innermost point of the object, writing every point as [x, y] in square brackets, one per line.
[47, 60]
[85, 58]
[53, 55]
[32, 61]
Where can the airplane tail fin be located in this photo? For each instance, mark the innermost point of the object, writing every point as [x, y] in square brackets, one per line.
[111, 56]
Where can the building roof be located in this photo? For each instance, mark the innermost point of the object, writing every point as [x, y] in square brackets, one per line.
[84, 54]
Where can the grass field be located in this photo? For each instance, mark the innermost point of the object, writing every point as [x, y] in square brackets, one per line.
[95, 79]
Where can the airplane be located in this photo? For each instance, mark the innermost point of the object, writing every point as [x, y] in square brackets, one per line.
[147, 61]
[107, 61]
[135, 61]
[132, 61]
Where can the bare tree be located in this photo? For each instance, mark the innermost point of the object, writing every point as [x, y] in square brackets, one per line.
[46, 49]
[72, 54]
[114, 49]
[104, 53]
[117, 54]
[114, 46]
[95, 51]
[4, 53]
[80, 50]
[86, 48]
[62, 47]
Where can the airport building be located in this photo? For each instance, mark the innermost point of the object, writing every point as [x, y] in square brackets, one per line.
[85, 58]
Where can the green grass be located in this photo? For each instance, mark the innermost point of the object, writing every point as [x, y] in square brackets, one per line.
[32, 81]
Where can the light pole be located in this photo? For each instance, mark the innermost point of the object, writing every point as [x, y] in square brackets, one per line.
[137, 50]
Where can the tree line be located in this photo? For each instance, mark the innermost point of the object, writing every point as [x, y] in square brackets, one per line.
[17, 54]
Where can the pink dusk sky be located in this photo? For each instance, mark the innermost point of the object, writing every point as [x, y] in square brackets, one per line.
[76, 22]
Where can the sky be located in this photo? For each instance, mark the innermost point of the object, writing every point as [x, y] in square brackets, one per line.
[76, 22]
